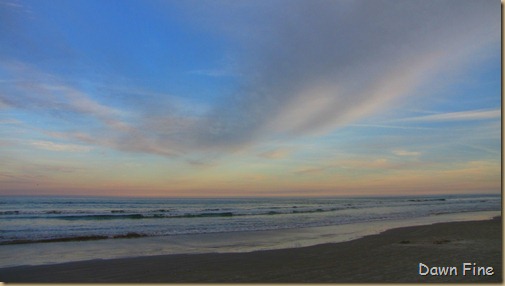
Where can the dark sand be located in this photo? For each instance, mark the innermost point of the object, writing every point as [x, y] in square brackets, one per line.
[392, 256]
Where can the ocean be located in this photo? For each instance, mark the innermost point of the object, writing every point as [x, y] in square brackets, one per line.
[39, 230]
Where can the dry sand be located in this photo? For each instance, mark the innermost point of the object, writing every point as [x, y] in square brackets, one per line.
[392, 256]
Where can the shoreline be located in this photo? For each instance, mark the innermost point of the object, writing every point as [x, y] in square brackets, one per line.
[57, 252]
[390, 256]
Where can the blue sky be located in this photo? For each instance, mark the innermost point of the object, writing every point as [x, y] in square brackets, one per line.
[249, 98]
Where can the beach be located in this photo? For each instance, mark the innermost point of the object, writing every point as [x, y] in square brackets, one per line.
[391, 256]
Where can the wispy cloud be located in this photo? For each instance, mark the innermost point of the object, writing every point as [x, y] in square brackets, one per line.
[51, 146]
[388, 126]
[313, 68]
[363, 165]
[16, 5]
[279, 153]
[311, 170]
[482, 148]
[401, 152]
[9, 121]
[305, 82]
[481, 114]
[26, 172]
[214, 72]
[32, 90]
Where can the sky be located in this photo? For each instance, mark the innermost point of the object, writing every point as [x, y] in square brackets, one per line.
[250, 98]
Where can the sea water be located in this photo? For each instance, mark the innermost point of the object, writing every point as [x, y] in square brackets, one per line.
[40, 230]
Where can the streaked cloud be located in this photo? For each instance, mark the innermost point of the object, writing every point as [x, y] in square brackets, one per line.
[305, 82]
[482, 148]
[9, 121]
[278, 153]
[51, 146]
[388, 126]
[400, 152]
[311, 170]
[32, 90]
[458, 116]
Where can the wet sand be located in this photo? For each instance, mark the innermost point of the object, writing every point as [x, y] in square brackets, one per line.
[392, 256]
